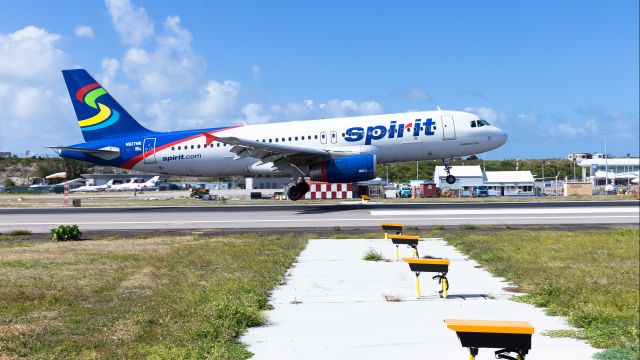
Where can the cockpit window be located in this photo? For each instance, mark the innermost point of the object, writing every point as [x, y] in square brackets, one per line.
[483, 122]
[473, 123]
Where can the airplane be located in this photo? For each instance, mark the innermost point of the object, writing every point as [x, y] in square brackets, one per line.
[336, 150]
[135, 186]
[92, 188]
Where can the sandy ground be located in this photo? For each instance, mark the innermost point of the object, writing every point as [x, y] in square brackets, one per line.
[334, 306]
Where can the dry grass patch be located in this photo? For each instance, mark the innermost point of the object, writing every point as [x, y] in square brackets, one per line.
[159, 297]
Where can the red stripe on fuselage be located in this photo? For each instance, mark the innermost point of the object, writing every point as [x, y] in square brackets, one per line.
[85, 89]
[134, 161]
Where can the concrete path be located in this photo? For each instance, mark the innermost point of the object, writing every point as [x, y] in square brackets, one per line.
[333, 306]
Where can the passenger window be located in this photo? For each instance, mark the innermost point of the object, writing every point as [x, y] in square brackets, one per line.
[269, 140]
[179, 147]
[296, 138]
[192, 146]
[218, 144]
[282, 139]
[315, 137]
[276, 139]
[289, 138]
[199, 146]
[408, 129]
[172, 148]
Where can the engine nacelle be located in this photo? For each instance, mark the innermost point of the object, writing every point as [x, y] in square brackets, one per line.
[346, 169]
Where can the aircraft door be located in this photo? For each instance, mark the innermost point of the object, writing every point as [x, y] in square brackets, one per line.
[149, 150]
[323, 137]
[334, 137]
[448, 127]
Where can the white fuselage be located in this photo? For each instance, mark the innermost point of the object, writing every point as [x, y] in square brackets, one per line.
[450, 134]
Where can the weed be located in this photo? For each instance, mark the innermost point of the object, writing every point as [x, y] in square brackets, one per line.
[372, 255]
[411, 228]
[18, 232]
[438, 228]
[467, 227]
[295, 301]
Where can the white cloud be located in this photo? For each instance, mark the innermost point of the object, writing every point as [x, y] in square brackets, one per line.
[256, 72]
[254, 113]
[491, 115]
[30, 55]
[133, 24]
[569, 130]
[218, 100]
[413, 94]
[84, 31]
[171, 67]
[109, 69]
[35, 105]
[309, 109]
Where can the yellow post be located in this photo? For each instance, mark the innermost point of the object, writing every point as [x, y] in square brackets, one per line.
[415, 252]
[397, 256]
[417, 286]
[471, 357]
[386, 237]
[444, 288]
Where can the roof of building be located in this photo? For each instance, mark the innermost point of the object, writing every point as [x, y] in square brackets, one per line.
[508, 177]
[460, 171]
[611, 162]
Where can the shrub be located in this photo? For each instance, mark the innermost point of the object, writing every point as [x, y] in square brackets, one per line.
[372, 255]
[66, 233]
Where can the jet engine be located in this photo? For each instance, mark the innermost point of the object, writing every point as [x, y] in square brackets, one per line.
[345, 169]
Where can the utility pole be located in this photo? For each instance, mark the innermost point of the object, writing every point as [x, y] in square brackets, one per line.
[606, 163]
[417, 171]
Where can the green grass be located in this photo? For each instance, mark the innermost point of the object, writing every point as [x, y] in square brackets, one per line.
[159, 298]
[591, 277]
[372, 255]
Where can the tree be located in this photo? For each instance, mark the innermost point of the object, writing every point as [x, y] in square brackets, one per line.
[472, 157]
[8, 182]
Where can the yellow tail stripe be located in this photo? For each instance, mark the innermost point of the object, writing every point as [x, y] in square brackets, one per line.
[103, 115]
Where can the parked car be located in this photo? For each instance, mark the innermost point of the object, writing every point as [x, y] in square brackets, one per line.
[404, 191]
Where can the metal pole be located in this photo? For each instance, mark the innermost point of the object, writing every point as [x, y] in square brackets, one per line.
[543, 177]
[606, 163]
[417, 171]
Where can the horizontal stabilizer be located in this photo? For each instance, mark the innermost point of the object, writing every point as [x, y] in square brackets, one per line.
[107, 153]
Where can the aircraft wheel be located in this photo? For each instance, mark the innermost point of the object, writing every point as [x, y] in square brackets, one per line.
[294, 193]
[451, 179]
[303, 186]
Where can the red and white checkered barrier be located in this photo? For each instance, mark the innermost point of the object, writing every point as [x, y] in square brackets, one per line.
[329, 191]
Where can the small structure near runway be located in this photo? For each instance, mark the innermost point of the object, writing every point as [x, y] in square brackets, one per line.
[321, 190]
[410, 240]
[508, 336]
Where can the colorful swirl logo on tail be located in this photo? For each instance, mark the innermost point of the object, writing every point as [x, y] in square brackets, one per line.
[105, 117]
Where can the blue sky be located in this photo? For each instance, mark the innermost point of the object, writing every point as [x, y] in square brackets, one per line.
[555, 75]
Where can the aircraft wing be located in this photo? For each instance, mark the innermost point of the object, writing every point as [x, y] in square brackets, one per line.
[279, 155]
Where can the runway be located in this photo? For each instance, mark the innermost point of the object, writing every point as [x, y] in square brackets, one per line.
[40, 220]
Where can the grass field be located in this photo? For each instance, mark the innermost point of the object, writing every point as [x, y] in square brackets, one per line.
[591, 277]
[156, 297]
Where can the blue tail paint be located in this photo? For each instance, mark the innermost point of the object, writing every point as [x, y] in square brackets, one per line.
[99, 115]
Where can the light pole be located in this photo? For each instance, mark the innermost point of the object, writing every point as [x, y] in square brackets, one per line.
[606, 163]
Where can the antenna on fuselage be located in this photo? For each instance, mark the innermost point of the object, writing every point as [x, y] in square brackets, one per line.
[438, 107]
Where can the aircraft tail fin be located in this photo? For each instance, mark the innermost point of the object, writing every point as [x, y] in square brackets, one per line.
[99, 115]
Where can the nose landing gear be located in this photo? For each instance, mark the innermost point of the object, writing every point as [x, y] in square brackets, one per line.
[450, 178]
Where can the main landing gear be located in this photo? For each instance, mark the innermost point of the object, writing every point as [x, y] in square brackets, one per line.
[450, 178]
[297, 192]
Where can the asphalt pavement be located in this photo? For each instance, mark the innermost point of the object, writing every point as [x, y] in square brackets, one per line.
[323, 216]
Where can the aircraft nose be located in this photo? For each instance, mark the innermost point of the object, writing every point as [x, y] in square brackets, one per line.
[501, 137]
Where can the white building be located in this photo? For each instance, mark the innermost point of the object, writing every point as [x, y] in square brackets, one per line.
[621, 170]
[467, 177]
[499, 183]
[510, 183]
